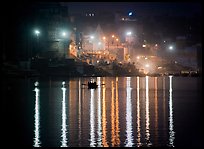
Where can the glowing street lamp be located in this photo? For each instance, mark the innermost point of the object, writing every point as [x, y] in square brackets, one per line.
[129, 33]
[171, 47]
[130, 13]
[171, 51]
[64, 34]
[37, 33]
[92, 37]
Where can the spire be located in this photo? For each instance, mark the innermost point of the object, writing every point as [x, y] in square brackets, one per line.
[99, 33]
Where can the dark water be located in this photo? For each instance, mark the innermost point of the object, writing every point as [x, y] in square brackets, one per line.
[122, 111]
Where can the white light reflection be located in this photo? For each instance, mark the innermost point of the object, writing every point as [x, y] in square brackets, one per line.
[99, 140]
[37, 141]
[64, 117]
[129, 139]
[92, 121]
[147, 134]
[138, 114]
[171, 125]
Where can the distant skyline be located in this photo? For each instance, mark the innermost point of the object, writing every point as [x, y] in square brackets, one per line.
[138, 8]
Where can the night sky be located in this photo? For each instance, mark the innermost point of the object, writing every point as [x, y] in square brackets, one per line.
[139, 8]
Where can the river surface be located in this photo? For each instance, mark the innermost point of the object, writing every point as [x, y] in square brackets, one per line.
[121, 112]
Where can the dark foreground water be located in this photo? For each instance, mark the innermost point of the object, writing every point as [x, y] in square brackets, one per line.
[122, 111]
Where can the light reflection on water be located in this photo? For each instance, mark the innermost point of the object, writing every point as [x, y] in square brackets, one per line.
[112, 114]
[37, 141]
[138, 114]
[104, 121]
[98, 113]
[80, 114]
[92, 120]
[99, 129]
[156, 108]
[129, 135]
[64, 118]
[117, 128]
[171, 125]
[147, 119]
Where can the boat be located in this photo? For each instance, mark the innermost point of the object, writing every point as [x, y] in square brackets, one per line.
[92, 85]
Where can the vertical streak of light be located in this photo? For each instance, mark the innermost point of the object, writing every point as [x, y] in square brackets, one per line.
[117, 129]
[70, 103]
[99, 140]
[138, 114]
[92, 121]
[164, 104]
[104, 139]
[156, 108]
[68, 88]
[129, 139]
[64, 118]
[37, 142]
[171, 125]
[112, 115]
[147, 113]
[79, 108]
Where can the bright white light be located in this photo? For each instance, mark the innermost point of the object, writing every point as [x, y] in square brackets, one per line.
[171, 47]
[171, 124]
[138, 57]
[129, 129]
[147, 65]
[92, 37]
[99, 43]
[92, 120]
[129, 33]
[147, 118]
[64, 117]
[99, 131]
[37, 32]
[143, 45]
[130, 13]
[37, 141]
[64, 34]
